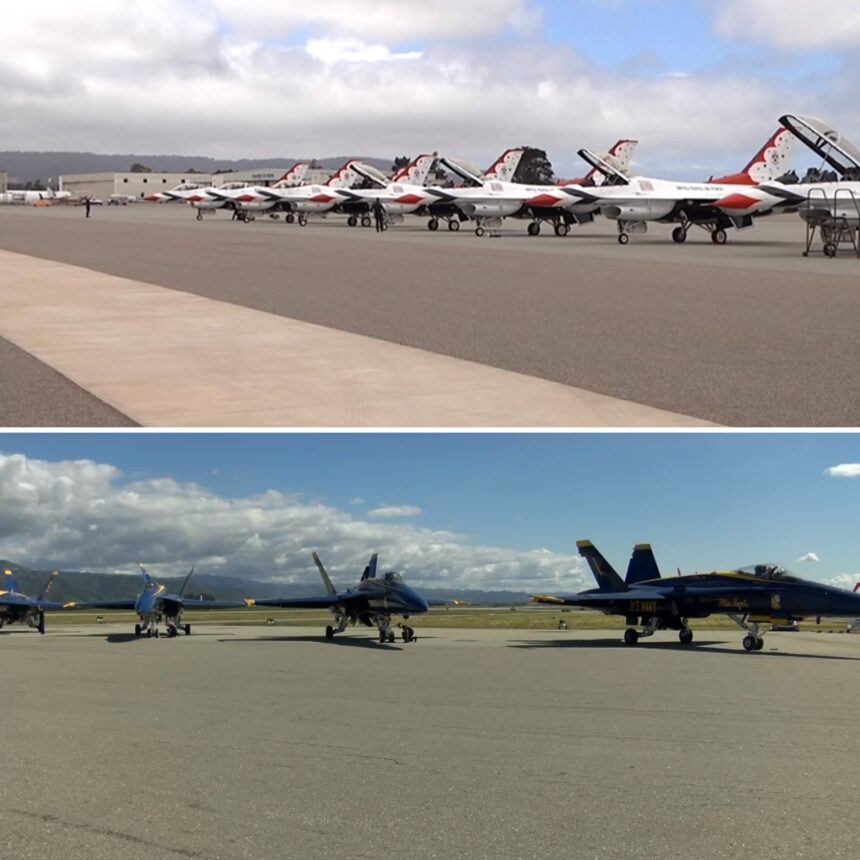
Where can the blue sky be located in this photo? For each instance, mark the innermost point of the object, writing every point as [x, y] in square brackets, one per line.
[703, 500]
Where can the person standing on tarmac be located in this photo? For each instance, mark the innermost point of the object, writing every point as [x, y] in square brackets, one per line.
[87, 205]
[379, 215]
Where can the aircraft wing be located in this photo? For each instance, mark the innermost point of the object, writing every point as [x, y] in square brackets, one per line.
[104, 604]
[196, 603]
[600, 597]
[13, 599]
[324, 601]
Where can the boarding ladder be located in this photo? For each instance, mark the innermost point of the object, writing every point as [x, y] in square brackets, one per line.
[836, 226]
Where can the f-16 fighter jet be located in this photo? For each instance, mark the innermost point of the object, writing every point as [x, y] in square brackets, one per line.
[372, 602]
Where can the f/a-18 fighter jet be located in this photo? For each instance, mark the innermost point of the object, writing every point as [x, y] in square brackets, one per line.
[753, 597]
[372, 602]
[17, 608]
[155, 604]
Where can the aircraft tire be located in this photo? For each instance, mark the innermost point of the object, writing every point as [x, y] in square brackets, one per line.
[366, 221]
[679, 235]
[303, 220]
[290, 218]
[759, 644]
[433, 225]
[352, 221]
[187, 629]
[329, 632]
[829, 250]
[155, 633]
[686, 637]
[719, 237]
[137, 630]
[561, 229]
[199, 216]
[533, 229]
[749, 643]
[479, 231]
[391, 639]
[623, 238]
[454, 226]
[382, 638]
[631, 636]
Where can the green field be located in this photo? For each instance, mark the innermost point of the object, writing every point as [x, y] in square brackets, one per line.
[519, 618]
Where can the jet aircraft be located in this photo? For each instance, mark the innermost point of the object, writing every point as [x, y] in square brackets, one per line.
[690, 204]
[155, 603]
[753, 597]
[17, 608]
[27, 197]
[372, 602]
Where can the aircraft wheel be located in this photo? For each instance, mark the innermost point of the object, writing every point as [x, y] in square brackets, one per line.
[352, 221]
[137, 630]
[187, 629]
[719, 237]
[433, 224]
[148, 633]
[303, 220]
[631, 636]
[366, 221]
[329, 632]
[479, 231]
[830, 250]
[454, 226]
[290, 218]
[679, 235]
[561, 229]
[749, 643]
[759, 644]
[533, 229]
[686, 637]
[623, 238]
[199, 216]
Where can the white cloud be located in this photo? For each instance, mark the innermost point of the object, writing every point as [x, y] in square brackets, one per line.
[810, 556]
[844, 470]
[48, 510]
[384, 511]
[356, 500]
[330, 51]
[845, 580]
[789, 23]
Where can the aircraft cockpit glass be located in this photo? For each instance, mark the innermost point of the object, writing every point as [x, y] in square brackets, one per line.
[392, 578]
[765, 571]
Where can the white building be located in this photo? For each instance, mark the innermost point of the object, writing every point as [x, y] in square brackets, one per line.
[105, 185]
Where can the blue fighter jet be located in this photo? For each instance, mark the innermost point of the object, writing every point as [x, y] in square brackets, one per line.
[754, 597]
[372, 602]
[17, 608]
[155, 604]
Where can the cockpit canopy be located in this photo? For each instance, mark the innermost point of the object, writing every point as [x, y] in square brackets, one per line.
[392, 578]
[766, 571]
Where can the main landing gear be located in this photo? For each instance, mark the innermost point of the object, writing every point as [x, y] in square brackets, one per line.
[718, 234]
[453, 225]
[290, 218]
[386, 634]
[632, 635]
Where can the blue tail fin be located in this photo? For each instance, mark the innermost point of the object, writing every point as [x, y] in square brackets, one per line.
[605, 575]
[9, 583]
[643, 565]
[370, 570]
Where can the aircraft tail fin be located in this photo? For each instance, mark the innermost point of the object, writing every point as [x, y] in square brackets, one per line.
[9, 583]
[294, 176]
[415, 173]
[49, 583]
[604, 574]
[345, 176]
[505, 166]
[330, 589]
[856, 586]
[642, 565]
[768, 164]
[185, 582]
[370, 570]
[145, 575]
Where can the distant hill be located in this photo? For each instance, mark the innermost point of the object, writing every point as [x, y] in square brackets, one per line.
[25, 167]
[84, 587]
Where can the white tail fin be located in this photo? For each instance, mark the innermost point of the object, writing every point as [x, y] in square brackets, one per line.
[346, 176]
[768, 164]
[505, 166]
[415, 173]
[294, 176]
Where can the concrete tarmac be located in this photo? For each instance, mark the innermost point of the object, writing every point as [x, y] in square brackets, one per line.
[246, 742]
[750, 334]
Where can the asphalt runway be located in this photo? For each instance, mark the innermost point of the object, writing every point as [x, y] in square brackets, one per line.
[253, 742]
[750, 334]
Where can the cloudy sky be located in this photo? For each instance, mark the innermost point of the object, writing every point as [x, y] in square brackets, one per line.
[462, 510]
[701, 83]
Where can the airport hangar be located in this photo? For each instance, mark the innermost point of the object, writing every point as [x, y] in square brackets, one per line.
[106, 185]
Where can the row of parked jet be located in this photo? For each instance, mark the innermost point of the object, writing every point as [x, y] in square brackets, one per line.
[763, 186]
[754, 597]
